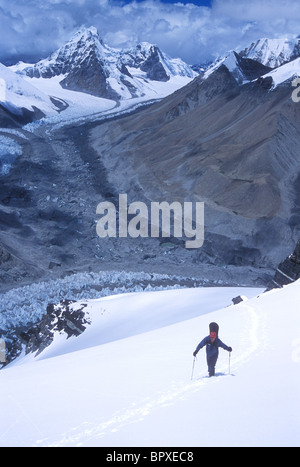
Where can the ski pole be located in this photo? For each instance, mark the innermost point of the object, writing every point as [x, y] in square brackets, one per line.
[193, 368]
[229, 361]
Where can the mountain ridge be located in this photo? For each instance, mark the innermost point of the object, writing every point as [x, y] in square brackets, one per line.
[231, 146]
[273, 52]
[91, 66]
[231, 143]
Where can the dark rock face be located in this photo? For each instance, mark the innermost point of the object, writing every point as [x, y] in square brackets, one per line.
[153, 66]
[288, 271]
[10, 119]
[233, 147]
[251, 69]
[84, 69]
[237, 300]
[90, 78]
[7, 120]
[59, 318]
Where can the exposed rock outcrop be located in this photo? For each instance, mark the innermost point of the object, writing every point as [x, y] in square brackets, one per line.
[288, 271]
[60, 318]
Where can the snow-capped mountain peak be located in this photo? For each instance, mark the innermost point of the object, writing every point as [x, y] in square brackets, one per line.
[87, 64]
[273, 52]
[242, 69]
[155, 63]
[82, 45]
[285, 73]
[275, 58]
[87, 33]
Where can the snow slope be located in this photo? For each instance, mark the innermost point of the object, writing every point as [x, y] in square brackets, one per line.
[17, 93]
[285, 72]
[280, 54]
[80, 106]
[127, 380]
[273, 52]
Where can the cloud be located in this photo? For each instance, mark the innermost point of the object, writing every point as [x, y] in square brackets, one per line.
[35, 28]
[259, 18]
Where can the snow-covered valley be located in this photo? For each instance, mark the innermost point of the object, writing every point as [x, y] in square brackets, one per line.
[126, 381]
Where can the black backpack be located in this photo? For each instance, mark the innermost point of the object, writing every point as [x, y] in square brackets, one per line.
[214, 327]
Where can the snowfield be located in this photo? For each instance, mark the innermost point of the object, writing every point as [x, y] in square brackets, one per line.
[126, 381]
[285, 72]
[17, 93]
[80, 106]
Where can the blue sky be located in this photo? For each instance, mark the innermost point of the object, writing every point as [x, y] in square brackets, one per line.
[196, 31]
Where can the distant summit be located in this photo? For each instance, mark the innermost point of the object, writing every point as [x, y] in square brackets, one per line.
[88, 65]
[273, 52]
